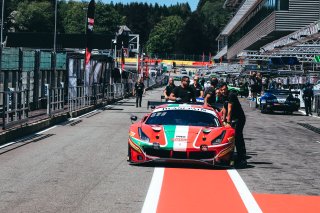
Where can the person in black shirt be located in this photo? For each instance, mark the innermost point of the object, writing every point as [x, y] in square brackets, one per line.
[234, 114]
[183, 93]
[308, 97]
[168, 90]
[139, 89]
[210, 94]
[197, 88]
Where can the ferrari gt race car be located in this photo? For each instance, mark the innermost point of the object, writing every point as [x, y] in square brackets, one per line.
[181, 133]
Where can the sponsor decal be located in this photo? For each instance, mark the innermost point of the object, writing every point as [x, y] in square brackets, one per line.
[179, 140]
[181, 134]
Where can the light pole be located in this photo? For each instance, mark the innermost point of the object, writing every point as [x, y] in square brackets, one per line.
[54, 55]
[2, 15]
[55, 27]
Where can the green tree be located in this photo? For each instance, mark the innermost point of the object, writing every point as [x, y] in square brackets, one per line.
[163, 37]
[73, 16]
[34, 16]
[107, 19]
[193, 39]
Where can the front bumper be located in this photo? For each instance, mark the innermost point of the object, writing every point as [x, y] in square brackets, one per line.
[220, 154]
[280, 107]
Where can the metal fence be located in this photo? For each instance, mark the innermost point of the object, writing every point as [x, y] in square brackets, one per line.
[78, 97]
[15, 107]
[37, 83]
[55, 100]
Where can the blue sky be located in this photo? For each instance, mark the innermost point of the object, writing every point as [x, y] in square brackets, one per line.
[193, 3]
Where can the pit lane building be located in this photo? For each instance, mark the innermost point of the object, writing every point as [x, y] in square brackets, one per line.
[258, 23]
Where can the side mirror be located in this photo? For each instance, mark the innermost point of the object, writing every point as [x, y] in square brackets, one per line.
[134, 118]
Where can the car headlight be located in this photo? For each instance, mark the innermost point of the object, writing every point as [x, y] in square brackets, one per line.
[143, 136]
[218, 139]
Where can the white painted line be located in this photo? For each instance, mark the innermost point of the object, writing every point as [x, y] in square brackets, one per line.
[8, 144]
[317, 141]
[151, 202]
[38, 133]
[245, 194]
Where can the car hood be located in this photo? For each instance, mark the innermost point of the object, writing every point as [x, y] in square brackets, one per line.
[179, 138]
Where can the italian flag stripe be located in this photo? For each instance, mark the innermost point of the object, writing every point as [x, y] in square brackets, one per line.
[169, 131]
[181, 138]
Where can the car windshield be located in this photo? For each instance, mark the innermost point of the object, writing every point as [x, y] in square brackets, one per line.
[184, 118]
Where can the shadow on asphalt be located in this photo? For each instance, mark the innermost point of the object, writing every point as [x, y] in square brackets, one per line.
[189, 166]
[282, 113]
[25, 141]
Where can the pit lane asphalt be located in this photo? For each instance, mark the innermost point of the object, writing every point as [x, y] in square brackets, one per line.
[81, 166]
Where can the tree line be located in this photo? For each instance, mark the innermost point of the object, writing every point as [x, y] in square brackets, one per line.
[162, 29]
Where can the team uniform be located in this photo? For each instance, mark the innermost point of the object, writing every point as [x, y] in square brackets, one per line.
[185, 94]
[139, 88]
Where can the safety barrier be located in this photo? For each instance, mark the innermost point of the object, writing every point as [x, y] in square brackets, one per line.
[98, 93]
[79, 97]
[55, 100]
[15, 104]
[15, 107]
[118, 90]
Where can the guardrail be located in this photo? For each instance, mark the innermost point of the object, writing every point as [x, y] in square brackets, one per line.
[79, 97]
[55, 100]
[15, 107]
[118, 90]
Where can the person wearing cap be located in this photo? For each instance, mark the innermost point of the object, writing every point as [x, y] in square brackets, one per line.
[197, 88]
[210, 95]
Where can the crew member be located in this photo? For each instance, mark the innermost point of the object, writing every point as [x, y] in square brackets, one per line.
[139, 89]
[183, 93]
[308, 97]
[234, 115]
[169, 88]
[210, 95]
[197, 88]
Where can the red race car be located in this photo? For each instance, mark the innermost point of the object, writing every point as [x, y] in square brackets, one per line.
[181, 132]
